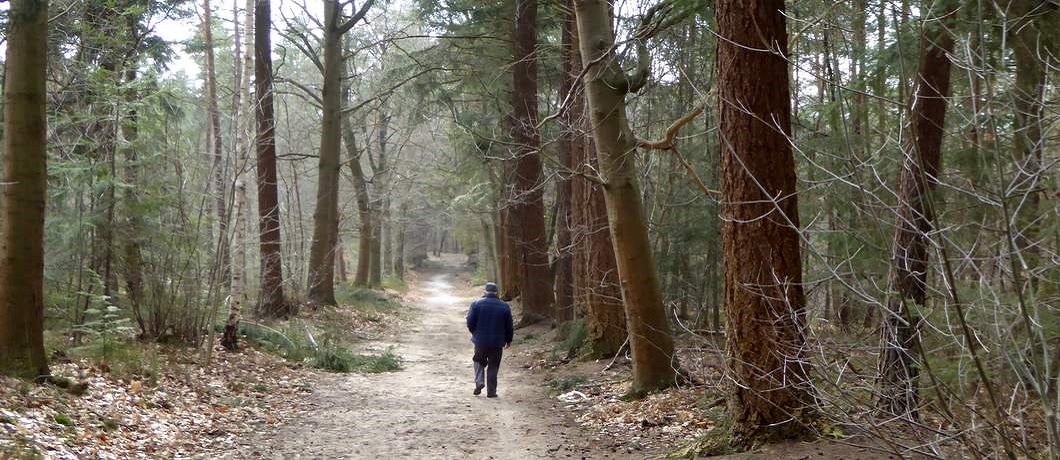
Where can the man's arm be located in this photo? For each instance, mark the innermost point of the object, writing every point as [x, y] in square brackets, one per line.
[472, 317]
[509, 329]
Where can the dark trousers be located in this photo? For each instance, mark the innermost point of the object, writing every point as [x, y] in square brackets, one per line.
[487, 364]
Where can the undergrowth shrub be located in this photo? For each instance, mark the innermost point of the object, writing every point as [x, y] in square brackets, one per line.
[366, 300]
[292, 342]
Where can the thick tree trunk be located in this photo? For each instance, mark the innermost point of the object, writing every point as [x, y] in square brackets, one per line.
[527, 201]
[900, 335]
[216, 148]
[271, 301]
[24, 192]
[651, 343]
[597, 288]
[321, 280]
[763, 268]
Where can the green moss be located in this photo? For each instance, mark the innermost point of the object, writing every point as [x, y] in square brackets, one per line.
[63, 420]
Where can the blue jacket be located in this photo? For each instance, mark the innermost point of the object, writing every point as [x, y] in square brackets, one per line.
[490, 322]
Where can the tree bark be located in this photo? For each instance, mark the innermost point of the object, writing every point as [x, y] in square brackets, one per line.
[231, 334]
[527, 200]
[24, 192]
[1033, 39]
[340, 258]
[271, 301]
[763, 268]
[900, 335]
[570, 141]
[216, 145]
[399, 253]
[595, 272]
[651, 343]
[230, 338]
[133, 260]
[381, 209]
[510, 275]
[321, 281]
[364, 210]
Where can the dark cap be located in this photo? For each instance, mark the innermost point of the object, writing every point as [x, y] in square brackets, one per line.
[491, 287]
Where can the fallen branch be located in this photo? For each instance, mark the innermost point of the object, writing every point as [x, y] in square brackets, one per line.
[619, 353]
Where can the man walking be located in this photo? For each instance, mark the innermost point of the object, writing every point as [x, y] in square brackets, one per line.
[490, 323]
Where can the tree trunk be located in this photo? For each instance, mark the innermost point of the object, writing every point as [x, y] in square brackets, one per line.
[230, 339]
[489, 256]
[380, 210]
[231, 335]
[654, 366]
[570, 141]
[321, 280]
[763, 268]
[216, 148]
[528, 207]
[1033, 40]
[399, 253]
[340, 258]
[595, 271]
[375, 255]
[364, 210]
[24, 192]
[271, 300]
[133, 260]
[900, 335]
[387, 240]
[510, 275]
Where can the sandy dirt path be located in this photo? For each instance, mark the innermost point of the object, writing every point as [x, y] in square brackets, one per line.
[427, 410]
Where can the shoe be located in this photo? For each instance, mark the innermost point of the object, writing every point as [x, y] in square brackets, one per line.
[478, 389]
[494, 395]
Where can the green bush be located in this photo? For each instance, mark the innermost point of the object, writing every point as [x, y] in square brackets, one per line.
[330, 355]
[337, 359]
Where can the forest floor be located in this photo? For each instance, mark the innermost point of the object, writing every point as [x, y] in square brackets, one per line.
[149, 401]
